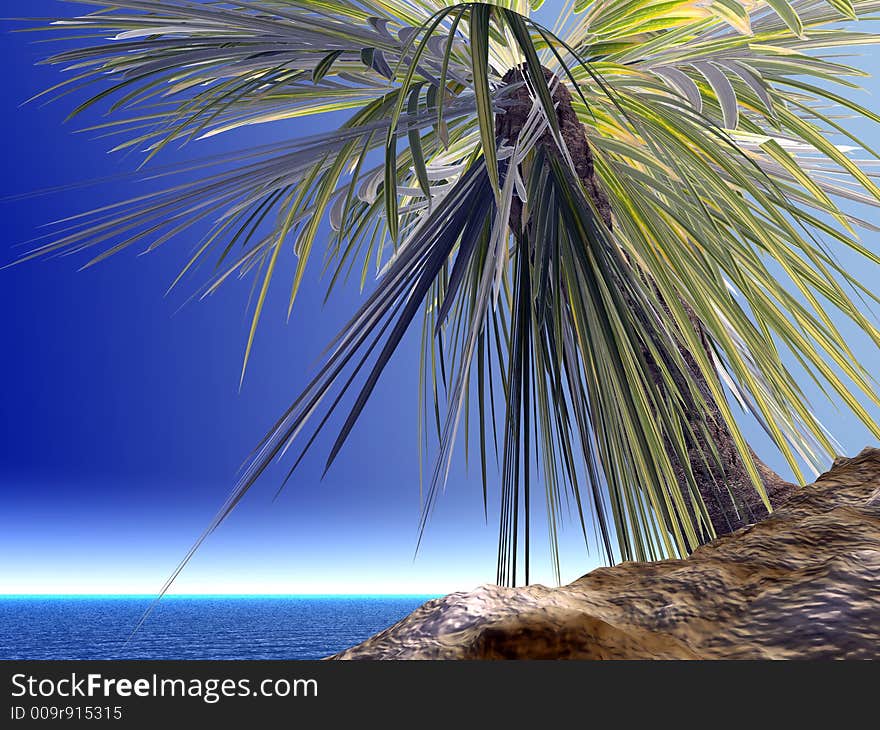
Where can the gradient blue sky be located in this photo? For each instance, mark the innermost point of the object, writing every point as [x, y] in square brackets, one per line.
[123, 426]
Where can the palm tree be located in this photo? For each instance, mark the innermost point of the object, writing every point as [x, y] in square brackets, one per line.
[608, 228]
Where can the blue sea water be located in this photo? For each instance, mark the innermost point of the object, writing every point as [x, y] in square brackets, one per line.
[193, 627]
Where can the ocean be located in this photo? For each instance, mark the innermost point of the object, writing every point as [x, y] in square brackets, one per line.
[193, 627]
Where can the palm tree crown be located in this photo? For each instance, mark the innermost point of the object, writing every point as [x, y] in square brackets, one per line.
[606, 226]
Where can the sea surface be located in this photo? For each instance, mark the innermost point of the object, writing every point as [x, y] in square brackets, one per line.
[193, 627]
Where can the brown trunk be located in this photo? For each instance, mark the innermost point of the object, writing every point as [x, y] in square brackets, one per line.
[726, 489]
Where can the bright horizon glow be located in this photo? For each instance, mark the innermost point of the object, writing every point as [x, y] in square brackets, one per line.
[50, 573]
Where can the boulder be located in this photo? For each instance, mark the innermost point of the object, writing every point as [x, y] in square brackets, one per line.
[804, 583]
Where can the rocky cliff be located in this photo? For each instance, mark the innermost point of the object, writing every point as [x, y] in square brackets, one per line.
[803, 583]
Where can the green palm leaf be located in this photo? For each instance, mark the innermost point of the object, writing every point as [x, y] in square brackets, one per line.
[587, 340]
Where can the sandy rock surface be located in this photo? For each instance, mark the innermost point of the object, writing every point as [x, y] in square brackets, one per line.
[804, 583]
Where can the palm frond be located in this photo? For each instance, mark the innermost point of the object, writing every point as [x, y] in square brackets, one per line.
[718, 138]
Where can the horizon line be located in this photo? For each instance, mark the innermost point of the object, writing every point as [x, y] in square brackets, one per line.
[208, 595]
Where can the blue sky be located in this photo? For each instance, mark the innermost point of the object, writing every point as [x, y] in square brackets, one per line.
[124, 426]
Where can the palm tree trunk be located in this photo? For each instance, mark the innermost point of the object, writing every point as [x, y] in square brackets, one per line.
[723, 483]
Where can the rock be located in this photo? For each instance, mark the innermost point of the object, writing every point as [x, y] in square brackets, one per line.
[802, 584]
